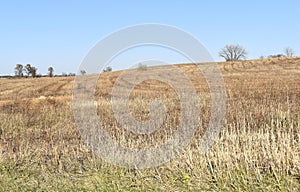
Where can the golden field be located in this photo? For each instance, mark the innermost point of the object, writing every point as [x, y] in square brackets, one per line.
[258, 149]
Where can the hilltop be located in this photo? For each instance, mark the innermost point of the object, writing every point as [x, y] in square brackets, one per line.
[243, 71]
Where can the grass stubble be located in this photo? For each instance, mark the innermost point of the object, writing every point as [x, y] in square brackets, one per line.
[258, 149]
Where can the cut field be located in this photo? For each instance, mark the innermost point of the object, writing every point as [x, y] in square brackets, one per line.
[257, 150]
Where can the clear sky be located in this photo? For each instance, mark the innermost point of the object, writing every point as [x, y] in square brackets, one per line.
[59, 33]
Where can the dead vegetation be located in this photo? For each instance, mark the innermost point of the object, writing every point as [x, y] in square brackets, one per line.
[259, 148]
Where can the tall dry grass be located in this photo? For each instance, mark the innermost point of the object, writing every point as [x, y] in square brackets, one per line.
[258, 149]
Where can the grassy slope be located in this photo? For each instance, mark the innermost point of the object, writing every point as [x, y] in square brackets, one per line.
[259, 149]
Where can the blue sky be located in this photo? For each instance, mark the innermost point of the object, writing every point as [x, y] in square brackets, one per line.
[60, 33]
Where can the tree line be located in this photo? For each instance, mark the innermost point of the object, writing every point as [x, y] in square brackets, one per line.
[229, 53]
[30, 71]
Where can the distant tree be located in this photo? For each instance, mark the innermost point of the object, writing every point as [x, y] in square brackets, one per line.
[33, 71]
[64, 74]
[276, 56]
[19, 70]
[142, 67]
[27, 70]
[50, 70]
[233, 53]
[108, 69]
[30, 70]
[289, 52]
[82, 72]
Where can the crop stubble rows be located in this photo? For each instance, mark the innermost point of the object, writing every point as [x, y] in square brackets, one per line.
[259, 147]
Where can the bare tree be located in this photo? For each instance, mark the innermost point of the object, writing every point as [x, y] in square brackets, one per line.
[27, 70]
[30, 70]
[82, 72]
[276, 56]
[19, 70]
[142, 67]
[33, 71]
[50, 70]
[233, 53]
[289, 52]
[108, 69]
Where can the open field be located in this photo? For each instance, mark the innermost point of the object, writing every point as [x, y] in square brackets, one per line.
[258, 149]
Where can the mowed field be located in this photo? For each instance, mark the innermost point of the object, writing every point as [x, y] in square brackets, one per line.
[258, 149]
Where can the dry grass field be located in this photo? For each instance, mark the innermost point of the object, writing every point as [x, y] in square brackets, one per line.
[258, 149]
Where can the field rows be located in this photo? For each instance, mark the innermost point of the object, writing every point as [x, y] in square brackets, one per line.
[258, 149]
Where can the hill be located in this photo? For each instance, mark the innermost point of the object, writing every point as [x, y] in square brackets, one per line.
[284, 70]
[257, 150]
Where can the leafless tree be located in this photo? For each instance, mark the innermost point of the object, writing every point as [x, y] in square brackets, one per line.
[50, 70]
[289, 52]
[19, 70]
[233, 53]
[28, 69]
[276, 56]
[108, 69]
[142, 67]
[33, 71]
[82, 72]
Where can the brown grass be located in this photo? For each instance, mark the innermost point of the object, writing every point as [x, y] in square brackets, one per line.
[258, 150]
